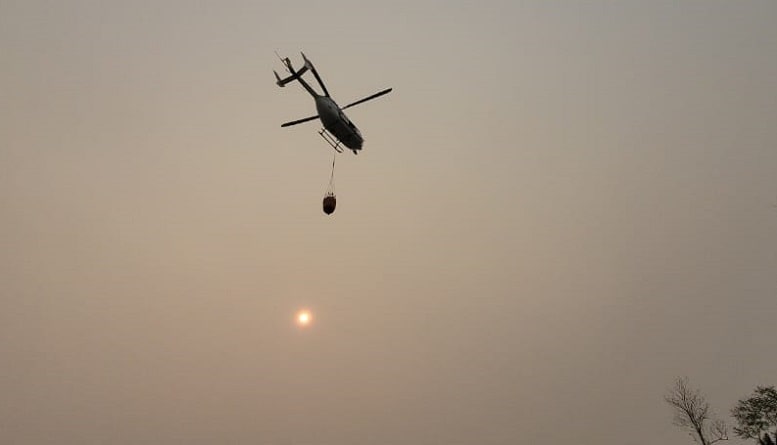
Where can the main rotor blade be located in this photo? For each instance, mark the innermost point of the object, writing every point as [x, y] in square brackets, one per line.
[381, 93]
[299, 121]
[309, 64]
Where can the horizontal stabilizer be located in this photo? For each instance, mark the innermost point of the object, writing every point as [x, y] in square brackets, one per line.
[294, 76]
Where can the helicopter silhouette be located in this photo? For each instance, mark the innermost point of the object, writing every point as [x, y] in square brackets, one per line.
[338, 129]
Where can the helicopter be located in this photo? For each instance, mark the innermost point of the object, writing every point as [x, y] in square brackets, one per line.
[338, 129]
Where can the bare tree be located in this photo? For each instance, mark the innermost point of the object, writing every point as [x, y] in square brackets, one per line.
[692, 412]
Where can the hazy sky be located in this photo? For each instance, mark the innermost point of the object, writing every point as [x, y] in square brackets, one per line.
[561, 207]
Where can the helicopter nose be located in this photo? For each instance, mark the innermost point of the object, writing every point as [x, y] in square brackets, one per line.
[357, 142]
[357, 146]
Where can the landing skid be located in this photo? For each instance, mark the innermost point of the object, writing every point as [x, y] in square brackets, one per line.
[330, 139]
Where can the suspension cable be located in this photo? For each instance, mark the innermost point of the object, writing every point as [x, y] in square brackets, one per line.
[331, 189]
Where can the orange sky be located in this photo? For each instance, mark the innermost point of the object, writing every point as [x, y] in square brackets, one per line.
[559, 209]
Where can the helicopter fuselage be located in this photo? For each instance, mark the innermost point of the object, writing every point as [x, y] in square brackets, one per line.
[338, 129]
[337, 123]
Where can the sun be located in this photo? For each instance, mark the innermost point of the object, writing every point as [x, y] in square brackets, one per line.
[304, 318]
